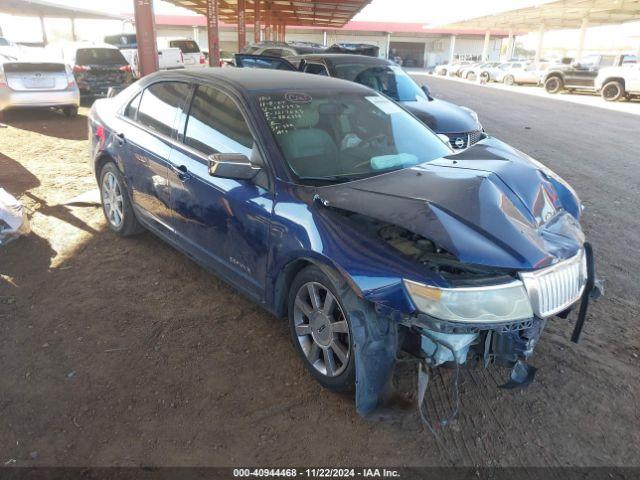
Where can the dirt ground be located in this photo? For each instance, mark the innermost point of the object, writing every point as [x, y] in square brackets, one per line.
[125, 352]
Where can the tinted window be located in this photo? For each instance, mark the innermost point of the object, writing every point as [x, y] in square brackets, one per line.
[160, 104]
[4, 42]
[607, 61]
[390, 80]
[99, 56]
[122, 40]
[216, 125]
[185, 46]
[316, 69]
[132, 108]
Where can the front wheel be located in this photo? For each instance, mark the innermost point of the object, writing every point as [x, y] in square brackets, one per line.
[613, 91]
[70, 112]
[508, 80]
[553, 84]
[115, 202]
[321, 330]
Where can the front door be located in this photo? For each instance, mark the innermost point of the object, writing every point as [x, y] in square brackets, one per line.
[223, 222]
[147, 145]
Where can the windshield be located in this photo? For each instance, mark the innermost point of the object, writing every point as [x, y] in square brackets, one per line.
[387, 79]
[339, 136]
[99, 56]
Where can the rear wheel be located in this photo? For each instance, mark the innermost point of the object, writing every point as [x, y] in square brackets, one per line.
[443, 72]
[508, 80]
[485, 77]
[471, 76]
[613, 91]
[115, 202]
[70, 112]
[321, 330]
[553, 84]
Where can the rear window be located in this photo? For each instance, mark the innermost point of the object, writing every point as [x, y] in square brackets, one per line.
[122, 40]
[185, 46]
[34, 67]
[99, 56]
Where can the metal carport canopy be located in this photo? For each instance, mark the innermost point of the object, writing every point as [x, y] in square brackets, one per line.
[317, 13]
[39, 8]
[562, 14]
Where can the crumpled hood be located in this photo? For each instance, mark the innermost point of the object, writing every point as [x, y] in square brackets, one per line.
[489, 205]
[441, 116]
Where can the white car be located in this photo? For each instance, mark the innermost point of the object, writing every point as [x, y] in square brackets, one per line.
[29, 84]
[521, 73]
[191, 53]
[170, 58]
[616, 83]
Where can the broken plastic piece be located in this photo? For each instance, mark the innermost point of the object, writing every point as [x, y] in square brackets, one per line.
[522, 374]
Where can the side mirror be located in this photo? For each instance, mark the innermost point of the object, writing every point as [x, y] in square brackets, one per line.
[232, 165]
[425, 89]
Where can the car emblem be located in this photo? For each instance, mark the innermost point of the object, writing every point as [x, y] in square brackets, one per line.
[459, 142]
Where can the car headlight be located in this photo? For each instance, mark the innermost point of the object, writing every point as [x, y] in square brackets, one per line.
[495, 303]
[473, 114]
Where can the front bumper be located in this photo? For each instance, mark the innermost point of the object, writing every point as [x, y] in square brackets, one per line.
[10, 99]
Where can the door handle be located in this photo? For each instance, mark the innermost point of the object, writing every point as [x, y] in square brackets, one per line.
[181, 171]
[121, 138]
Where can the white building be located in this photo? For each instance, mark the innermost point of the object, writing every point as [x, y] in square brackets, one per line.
[416, 45]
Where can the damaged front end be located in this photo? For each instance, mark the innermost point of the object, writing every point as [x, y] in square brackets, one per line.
[487, 246]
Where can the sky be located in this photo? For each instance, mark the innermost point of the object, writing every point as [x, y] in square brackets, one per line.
[429, 12]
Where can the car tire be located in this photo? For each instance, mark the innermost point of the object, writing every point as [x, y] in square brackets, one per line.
[443, 73]
[613, 91]
[471, 76]
[553, 84]
[323, 340]
[485, 77]
[70, 112]
[508, 80]
[116, 205]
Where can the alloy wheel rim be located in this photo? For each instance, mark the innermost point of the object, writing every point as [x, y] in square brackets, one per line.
[322, 329]
[112, 200]
[611, 91]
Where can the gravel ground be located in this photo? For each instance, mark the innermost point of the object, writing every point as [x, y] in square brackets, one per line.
[124, 352]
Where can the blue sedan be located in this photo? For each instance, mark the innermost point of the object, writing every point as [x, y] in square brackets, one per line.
[332, 206]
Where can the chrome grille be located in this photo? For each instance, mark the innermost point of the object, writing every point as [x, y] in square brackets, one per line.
[460, 141]
[553, 289]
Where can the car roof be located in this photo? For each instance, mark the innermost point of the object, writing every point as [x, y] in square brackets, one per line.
[337, 58]
[258, 80]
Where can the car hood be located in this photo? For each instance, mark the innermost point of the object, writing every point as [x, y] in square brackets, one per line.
[441, 116]
[490, 205]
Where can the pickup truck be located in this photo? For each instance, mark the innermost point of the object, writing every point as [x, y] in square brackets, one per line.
[616, 83]
[581, 75]
[127, 43]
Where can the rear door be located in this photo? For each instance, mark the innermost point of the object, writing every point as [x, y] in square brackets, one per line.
[145, 142]
[263, 61]
[223, 222]
[190, 52]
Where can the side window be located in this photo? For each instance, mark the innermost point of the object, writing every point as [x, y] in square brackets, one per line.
[316, 69]
[132, 109]
[216, 125]
[160, 104]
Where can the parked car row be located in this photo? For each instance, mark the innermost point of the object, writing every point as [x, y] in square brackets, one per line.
[614, 77]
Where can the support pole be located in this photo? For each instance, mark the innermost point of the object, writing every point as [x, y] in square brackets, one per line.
[452, 49]
[256, 20]
[510, 45]
[485, 47]
[74, 37]
[284, 32]
[583, 32]
[267, 21]
[44, 31]
[146, 35]
[242, 27]
[540, 43]
[213, 33]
